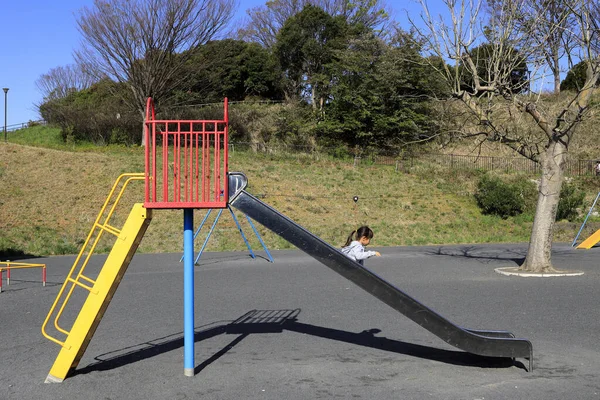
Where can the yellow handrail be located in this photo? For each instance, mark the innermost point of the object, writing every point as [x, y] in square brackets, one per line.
[99, 227]
[18, 265]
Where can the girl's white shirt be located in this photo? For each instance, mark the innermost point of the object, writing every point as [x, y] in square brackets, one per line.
[356, 251]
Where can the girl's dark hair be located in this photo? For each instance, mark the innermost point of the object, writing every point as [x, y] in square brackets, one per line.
[360, 232]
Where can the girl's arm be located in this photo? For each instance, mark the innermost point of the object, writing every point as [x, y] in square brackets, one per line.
[361, 254]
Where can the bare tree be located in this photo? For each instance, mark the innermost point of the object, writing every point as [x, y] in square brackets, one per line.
[144, 43]
[265, 21]
[59, 82]
[551, 36]
[537, 126]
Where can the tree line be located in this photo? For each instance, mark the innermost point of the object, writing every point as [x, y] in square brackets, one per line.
[343, 74]
[348, 76]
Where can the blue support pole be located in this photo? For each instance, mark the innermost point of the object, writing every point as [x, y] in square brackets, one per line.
[212, 228]
[200, 227]
[241, 232]
[259, 238]
[188, 292]
[585, 220]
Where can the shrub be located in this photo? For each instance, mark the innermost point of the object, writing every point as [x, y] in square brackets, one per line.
[68, 134]
[571, 198]
[91, 114]
[120, 136]
[339, 151]
[495, 197]
[575, 78]
[528, 191]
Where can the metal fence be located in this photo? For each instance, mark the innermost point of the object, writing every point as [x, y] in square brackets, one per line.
[406, 163]
[502, 164]
[484, 163]
[21, 125]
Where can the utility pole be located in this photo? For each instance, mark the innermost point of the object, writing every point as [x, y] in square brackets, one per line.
[5, 96]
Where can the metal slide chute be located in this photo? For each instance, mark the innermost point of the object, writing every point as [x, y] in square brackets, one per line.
[480, 342]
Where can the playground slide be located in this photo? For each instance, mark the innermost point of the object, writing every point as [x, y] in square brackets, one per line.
[590, 241]
[484, 343]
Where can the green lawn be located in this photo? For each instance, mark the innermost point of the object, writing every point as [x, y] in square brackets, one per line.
[52, 192]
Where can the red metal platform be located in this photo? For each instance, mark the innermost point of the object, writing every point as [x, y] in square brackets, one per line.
[186, 162]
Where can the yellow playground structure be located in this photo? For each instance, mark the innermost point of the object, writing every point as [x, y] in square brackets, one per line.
[594, 237]
[102, 288]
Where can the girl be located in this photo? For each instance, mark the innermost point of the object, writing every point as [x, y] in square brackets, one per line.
[355, 249]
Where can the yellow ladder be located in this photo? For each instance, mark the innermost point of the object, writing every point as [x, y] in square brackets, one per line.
[101, 289]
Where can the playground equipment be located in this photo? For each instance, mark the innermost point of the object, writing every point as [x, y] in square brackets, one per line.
[74, 341]
[239, 227]
[190, 171]
[8, 266]
[594, 238]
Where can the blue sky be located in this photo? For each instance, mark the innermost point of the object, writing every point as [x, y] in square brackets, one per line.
[38, 35]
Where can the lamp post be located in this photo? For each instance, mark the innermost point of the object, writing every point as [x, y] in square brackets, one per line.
[5, 94]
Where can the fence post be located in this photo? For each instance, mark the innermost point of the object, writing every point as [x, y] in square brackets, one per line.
[356, 161]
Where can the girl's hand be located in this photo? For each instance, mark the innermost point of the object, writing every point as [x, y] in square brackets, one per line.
[377, 254]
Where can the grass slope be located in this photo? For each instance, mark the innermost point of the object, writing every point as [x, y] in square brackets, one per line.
[50, 199]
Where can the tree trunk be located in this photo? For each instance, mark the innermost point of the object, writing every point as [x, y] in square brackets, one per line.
[557, 82]
[540, 245]
[556, 72]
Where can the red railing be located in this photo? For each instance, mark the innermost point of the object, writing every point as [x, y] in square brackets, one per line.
[186, 162]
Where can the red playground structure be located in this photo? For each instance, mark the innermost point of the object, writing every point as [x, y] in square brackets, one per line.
[195, 152]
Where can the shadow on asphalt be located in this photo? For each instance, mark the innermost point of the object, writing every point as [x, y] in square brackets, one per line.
[15, 254]
[221, 257]
[202, 262]
[16, 285]
[277, 321]
[478, 253]
[473, 252]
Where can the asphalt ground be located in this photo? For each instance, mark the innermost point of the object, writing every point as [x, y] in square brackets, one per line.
[315, 335]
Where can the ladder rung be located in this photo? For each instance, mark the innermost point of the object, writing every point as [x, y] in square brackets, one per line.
[76, 282]
[109, 229]
[90, 280]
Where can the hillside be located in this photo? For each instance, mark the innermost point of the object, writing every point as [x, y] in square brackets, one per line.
[50, 199]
